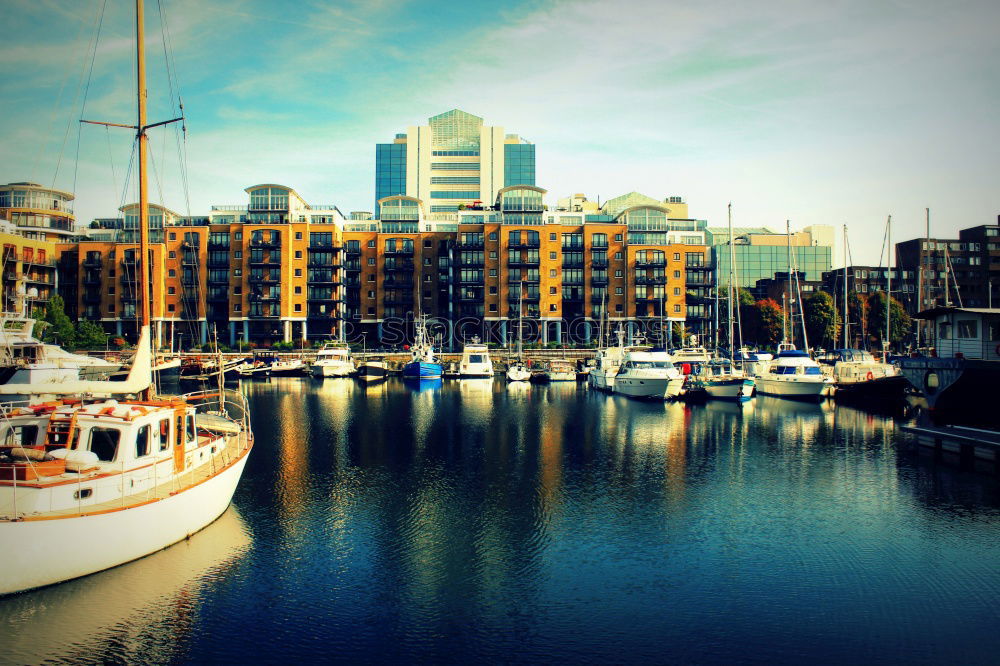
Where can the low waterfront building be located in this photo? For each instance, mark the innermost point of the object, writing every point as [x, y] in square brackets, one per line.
[28, 270]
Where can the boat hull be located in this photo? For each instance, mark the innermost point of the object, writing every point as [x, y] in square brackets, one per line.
[649, 388]
[798, 390]
[518, 375]
[422, 370]
[333, 370]
[372, 373]
[44, 552]
[729, 389]
[883, 389]
[601, 380]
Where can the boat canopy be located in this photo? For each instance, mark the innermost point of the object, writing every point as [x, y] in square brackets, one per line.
[792, 353]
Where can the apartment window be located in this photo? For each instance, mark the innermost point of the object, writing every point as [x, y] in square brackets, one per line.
[371, 310]
[371, 261]
[677, 256]
[238, 236]
[677, 274]
[427, 294]
[237, 307]
[371, 243]
[371, 293]
[173, 236]
[371, 278]
[618, 256]
[170, 273]
[170, 307]
[552, 237]
[493, 254]
[172, 255]
[298, 253]
[298, 307]
[238, 254]
[298, 235]
[111, 291]
[493, 235]
[618, 307]
[298, 289]
[552, 307]
[552, 272]
[238, 290]
[619, 273]
[493, 291]
[298, 272]
[493, 272]
[427, 278]
[552, 255]
[428, 243]
[619, 291]
[552, 290]
[111, 309]
[493, 307]
[677, 308]
[170, 290]
[618, 239]
[677, 291]
[427, 261]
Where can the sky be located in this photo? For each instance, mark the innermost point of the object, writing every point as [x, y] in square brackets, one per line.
[835, 112]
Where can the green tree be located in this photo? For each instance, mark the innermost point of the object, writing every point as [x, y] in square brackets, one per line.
[857, 319]
[89, 335]
[900, 321]
[822, 319]
[58, 326]
[769, 322]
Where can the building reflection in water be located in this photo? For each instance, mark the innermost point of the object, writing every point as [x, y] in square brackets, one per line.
[141, 612]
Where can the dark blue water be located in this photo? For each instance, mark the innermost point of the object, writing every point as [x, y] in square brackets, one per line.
[486, 522]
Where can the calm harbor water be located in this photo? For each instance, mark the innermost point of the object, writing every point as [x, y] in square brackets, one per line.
[483, 521]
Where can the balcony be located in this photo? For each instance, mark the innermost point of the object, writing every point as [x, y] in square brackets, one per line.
[216, 295]
[91, 297]
[217, 245]
[352, 266]
[651, 263]
[643, 279]
[263, 279]
[218, 263]
[470, 298]
[264, 298]
[573, 298]
[598, 299]
[323, 246]
[264, 314]
[599, 281]
[599, 262]
[471, 263]
[398, 281]
[356, 252]
[470, 280]
[399, 252]
[473, 245]
[217, 280]
[525, 245]
[572, 263]
[573, 281]
[401, 301]
[266, 243]
[526, 298]
[271, 260]
[93, 263]
[130, 262]
[519, 262]
[398, 266]
[91, 280]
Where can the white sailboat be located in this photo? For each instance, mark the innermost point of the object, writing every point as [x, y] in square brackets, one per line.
[518, 371]
[87, 484]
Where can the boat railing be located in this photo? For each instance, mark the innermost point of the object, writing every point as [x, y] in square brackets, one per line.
[228, 403]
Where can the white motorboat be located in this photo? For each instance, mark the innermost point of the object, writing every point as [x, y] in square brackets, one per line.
[692, 356]
[722, 381]
[26, 360]
[648, 374]
[475, 361]
[556, 370]
[792, 374]
[372, 370]
[289, 367]
[607, 363]
[333, 360]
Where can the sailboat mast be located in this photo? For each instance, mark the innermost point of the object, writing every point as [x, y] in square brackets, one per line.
[732, 259]
[846, 322]
[790, 336]
[143, 273]
[888, 284]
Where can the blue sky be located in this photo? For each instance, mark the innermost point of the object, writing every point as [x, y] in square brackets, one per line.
[834, 112]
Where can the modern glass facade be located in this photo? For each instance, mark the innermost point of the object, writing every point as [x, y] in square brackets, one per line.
[756, 262]
[518, 164]
[390, 171]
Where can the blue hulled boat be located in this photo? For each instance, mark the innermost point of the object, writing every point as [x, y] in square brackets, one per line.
[423, 363]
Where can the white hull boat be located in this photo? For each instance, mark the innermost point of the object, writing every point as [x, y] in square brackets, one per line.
[648, 375]
[518, 373]
[475, 363]
[333, 361]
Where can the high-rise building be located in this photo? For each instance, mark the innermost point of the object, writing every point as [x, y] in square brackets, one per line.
[760, 253]
[454, 161]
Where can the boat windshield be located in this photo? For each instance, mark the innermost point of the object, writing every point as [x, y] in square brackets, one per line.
[475, 358]
[645, 365]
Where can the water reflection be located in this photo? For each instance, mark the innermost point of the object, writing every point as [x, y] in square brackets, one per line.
[472, 521]
[139, 612]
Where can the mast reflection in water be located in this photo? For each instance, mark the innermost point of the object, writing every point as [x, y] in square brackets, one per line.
[478, 520]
